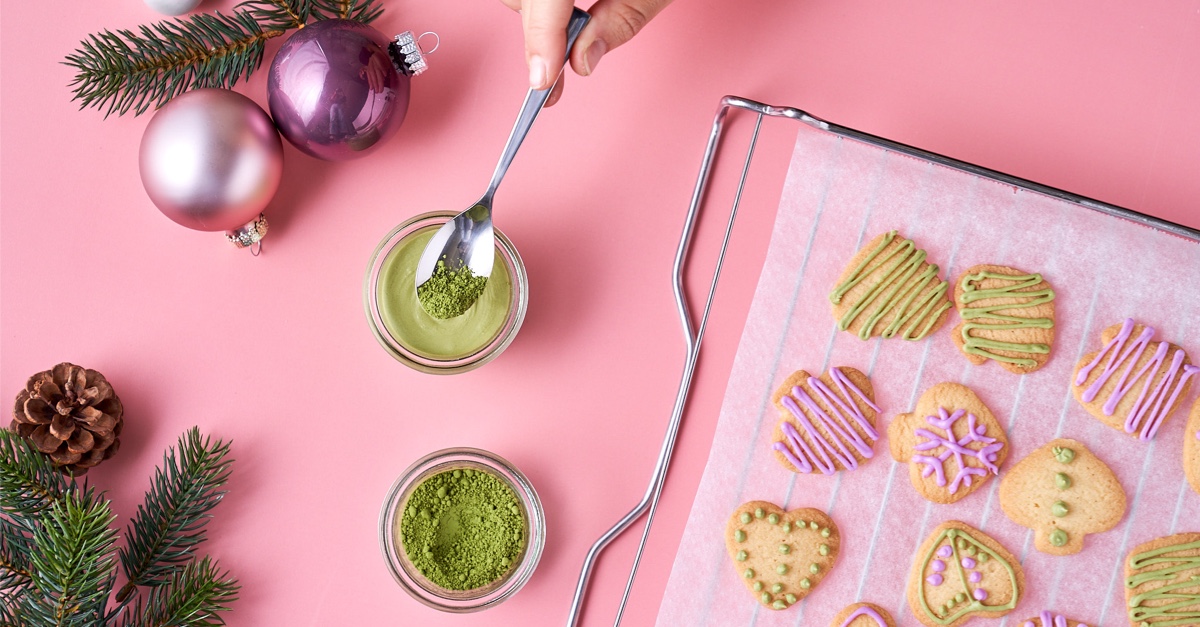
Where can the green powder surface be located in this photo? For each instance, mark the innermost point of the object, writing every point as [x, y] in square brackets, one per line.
[450, 293]
[463, 529]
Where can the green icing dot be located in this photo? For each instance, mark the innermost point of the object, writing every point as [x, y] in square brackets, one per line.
[825, 532]
[1062, 480]
[1059, 509]
[741, 556]
[745, 517]
[962, 544]
[766, 597]
[823, 549]
[1058, 537]
[971, 550]
[982, 557]
[739, 535]
[814, 568]
[787, 526]
[1064, 455]
[960, 597]
[759, 513]
[777, 588]
[781, 569]
[791, 598]
[773, 519]
[758, 586]
[813, 525]
[779, 605]
[785, 549]
[749, 573]
[805, 583]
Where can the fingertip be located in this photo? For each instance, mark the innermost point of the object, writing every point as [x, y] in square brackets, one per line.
[538, 72]
[556, 93]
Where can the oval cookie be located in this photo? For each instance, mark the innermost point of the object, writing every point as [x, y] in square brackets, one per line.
[961, 573]
[1007, 316]
[863, 615]
[952, 442]
[1063, 492]
[889, 289]
[1133, 383]
[826, 424]
[1050, 619]
[1191, 448]
[1162, 581]
[781, 556]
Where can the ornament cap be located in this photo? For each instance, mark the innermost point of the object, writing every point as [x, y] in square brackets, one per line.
[249, 235]
[407, 54]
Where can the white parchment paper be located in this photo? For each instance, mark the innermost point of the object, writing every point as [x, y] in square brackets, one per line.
[839, 194]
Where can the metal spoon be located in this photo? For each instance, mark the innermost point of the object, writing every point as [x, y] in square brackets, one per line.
[467, 239]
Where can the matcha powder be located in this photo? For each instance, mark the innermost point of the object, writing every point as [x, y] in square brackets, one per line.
[463, 529]
[450, 293]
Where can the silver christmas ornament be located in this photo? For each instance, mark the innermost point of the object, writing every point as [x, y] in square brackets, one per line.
[211, 160]
[172, 7]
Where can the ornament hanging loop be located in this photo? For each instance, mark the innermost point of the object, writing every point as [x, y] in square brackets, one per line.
[407, 54]
[437, 42]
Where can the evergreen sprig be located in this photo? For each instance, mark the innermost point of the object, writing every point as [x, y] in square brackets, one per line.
[170, 523]
[127, 71]
[193, 596]
[29, 481]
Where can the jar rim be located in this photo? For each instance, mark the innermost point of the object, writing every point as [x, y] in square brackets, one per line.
[518, 303]
[415, 584]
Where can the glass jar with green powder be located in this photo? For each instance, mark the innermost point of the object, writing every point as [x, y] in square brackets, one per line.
[462, 530]
[430, 344]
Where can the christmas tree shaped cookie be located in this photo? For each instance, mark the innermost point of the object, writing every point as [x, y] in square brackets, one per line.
[1063, 492]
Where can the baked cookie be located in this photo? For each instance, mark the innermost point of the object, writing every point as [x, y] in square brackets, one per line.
[1191, 448]
[1063, 492]
[781, 556]
[887, 289]
[863, 615]
[1050, 619]
[952, 442]
[1133, 383]
[1162, 581]
[962, 573]
[1007, 316]
[826, 424]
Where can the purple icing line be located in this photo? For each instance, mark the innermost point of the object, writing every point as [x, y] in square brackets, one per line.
[986, 455]
[865, 611]
[805, 457]
[1153, 408]
[1049, 620]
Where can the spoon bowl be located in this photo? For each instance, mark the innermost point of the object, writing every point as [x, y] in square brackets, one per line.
[463, 250]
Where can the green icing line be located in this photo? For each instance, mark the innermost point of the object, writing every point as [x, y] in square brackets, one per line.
[982, 347]
[896, 292]
[945, 618]
[1168, 594]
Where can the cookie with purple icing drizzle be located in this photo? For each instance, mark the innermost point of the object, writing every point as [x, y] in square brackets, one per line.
[826, 423]
[863, 615]
[1191, 448]
[1050, 619]
[951, 441]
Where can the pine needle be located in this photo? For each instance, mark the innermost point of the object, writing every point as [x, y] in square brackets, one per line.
[29, 481]
[365, 11]
[194, 596]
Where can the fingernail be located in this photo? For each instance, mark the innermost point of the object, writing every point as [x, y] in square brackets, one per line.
[593, 54]
[537, 72]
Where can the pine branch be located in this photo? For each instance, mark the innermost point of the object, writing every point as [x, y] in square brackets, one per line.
[278, 14]
[365, 11]
[169, 525]
[192, 597]
[15, 547]
[29, 481]
[72, 564]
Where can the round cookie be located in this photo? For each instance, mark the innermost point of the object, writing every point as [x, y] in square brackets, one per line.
[1133, 383]
[826, 424]
[1063, 492]
[952, 442]
[889, 289]
[1050, 619]
[961, 573]
[781, 556]
[1191, 448]
[863, 615]
[1007, 316]
[1162, 582]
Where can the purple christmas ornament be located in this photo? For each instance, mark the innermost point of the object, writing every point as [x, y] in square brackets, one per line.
[338, 88]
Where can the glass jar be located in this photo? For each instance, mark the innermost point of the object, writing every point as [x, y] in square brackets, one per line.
[427, 344]
[411, 579]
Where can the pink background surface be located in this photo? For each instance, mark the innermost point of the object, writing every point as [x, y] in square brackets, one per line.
[838, 196]
[1094, 97]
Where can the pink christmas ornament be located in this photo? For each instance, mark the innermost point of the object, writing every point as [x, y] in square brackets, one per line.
[211, 160]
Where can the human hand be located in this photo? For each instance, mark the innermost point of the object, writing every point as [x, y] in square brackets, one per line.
[613, 23]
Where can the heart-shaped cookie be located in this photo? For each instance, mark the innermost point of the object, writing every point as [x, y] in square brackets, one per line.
[826, 424]
[889, 289]
[781, 556]
[1133, 383]
[962, 573]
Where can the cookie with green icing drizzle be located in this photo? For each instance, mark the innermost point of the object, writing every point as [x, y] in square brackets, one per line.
[1162, 582]
[889, 289]
[781, 556]
[1007, 317]
[961, 573]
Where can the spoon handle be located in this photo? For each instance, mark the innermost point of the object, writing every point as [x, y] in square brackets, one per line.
[534, 101]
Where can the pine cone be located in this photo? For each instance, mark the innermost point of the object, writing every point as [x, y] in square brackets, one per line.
[70, 414]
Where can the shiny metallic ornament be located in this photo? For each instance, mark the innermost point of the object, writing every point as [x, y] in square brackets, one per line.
[172, 7]
[211, 160]
[338, 88]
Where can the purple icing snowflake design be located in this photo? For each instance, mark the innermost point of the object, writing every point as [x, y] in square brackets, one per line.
[956, 447]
